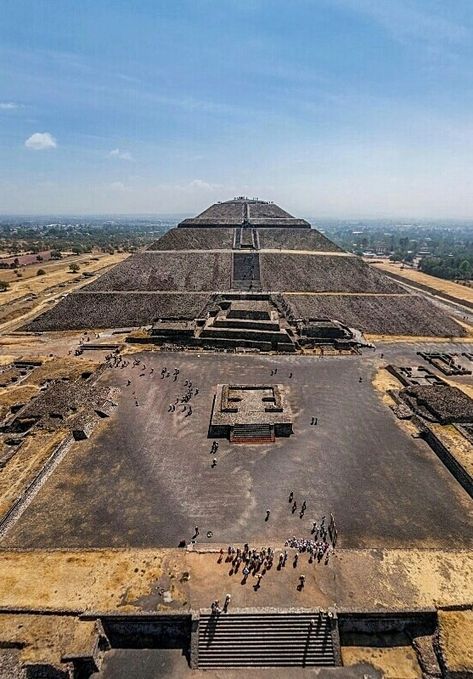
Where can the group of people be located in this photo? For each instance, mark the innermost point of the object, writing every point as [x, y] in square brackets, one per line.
[294, 505]
[184, 401]
[216, 608]
[274, 372]
[256, 563]
[115, 360]
[253, 562]
[324, 539]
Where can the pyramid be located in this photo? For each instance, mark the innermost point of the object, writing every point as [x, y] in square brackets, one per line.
[246, 249]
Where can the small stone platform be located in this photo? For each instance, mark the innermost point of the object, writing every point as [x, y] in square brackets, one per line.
[253, 413]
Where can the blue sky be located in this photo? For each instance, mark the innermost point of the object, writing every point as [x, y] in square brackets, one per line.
[341, 108]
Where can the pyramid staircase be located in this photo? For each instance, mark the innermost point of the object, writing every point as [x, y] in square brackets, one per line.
[265, 640]
[246, 271]
[252, 433]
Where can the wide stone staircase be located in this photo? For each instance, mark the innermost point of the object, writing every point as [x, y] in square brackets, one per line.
[265, 640]
[252, 433]
[246, 271]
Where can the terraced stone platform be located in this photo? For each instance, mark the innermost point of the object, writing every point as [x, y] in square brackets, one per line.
[247, 245]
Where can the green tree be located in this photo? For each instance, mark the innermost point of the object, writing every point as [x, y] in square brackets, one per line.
[465, 269]
[74, 267]
[40, 272]
[4, 285]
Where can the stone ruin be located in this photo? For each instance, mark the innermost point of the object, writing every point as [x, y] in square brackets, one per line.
[250, 413]
[253, 322]
[447, 363]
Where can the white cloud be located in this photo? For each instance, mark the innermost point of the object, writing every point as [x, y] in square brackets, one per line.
[8, 106]
[203, 186]
[39, 141]
[117, 186]
[123, 155]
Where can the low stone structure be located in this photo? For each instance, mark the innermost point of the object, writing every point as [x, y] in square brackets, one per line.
[439, 403]
[410, 375]
[445, 362]
[250, 413]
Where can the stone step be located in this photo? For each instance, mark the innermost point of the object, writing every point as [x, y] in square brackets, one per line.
[250, 284]
[265, 639]
[252, 433]
[245, 333]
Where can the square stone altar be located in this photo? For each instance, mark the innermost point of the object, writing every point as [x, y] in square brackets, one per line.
[250, 413]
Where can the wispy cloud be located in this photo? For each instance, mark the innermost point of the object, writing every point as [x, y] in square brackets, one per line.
[409, 19]
[41, 141]
[201, 185]
[9, 106]
[122, 155]
[117, 186]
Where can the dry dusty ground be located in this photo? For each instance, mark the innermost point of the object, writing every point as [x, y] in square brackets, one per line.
[461, 292]
[45, 639]
[25, 465]
[126, 581]
[456, 640]
[16, 303]
[55, 270]
[396, 662]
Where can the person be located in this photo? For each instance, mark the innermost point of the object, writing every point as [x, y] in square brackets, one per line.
[291, 496]
[294, 506]
[301, 581]
[228, 598]
[268, 512]
[214, 462]
[196, 531]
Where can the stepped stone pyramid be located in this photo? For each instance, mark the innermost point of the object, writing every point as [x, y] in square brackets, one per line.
[247, 249]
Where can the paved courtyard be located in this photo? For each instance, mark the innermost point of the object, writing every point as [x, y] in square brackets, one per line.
[145, 477]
